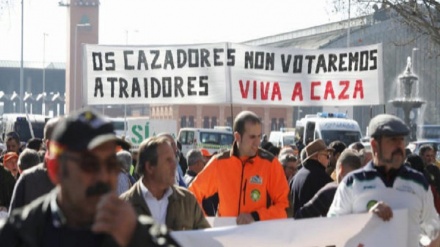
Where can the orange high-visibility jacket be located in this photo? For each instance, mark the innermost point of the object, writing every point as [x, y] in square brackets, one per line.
[257, 185]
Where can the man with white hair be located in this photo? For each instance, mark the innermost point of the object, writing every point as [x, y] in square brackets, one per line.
[196, 162]
[125, 180]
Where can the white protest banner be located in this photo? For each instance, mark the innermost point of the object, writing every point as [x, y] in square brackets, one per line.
[357, 230]
[275, 76]
[226, 73]
[222, 221]
[192, 74]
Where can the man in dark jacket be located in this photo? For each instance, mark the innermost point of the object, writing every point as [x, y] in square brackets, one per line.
[83, 209]
[312, 176]
[349, 160]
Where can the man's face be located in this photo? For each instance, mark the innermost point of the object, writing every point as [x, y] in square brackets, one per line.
[198, 167]
[250, 140]
[12, 166]
[173, 145]
[324, 158]
[12, 145]
[85, 177]
[389, 151]
[428, 157]
[290, 169]
[164, 173]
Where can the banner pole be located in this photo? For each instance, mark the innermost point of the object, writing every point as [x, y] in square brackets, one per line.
[230, 87]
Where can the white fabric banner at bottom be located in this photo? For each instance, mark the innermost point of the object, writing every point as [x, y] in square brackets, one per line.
[359, 230]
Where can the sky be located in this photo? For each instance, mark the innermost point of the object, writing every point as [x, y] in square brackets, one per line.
[159, 22]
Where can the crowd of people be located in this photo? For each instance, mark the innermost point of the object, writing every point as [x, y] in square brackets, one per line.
[83, 186]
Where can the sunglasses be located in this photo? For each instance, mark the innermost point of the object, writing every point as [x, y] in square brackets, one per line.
[89, 163]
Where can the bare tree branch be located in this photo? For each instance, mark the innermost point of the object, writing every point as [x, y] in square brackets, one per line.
[422, 16]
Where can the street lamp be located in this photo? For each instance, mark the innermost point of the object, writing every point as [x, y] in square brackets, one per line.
[79, 25]
[125, 102]
[44, 73]
[349, 24]
[21, 59]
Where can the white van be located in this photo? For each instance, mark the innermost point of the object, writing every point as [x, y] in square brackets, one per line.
[211, 139]
[328, 127]
[281, 138]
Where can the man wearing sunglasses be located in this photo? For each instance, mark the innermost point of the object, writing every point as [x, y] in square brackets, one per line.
[83, 209]
[318, 206]
[312, 177]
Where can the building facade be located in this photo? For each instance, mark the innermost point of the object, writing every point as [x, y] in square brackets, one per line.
[398, 42]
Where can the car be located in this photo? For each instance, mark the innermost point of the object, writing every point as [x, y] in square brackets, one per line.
[414, 146]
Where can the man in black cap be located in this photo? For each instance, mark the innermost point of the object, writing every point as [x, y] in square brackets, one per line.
[338, 146]
[385, 184]
[83, 209]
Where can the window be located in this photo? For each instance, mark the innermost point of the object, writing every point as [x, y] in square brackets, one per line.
[206, 122]
[216, 138]
[280, 123]
[273, 125]
[186, 137]
[183, 122]
[191, 121]
[213, 122]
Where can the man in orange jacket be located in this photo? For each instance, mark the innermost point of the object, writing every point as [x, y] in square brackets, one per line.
[250, 181]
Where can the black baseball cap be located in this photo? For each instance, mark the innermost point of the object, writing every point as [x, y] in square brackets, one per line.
[387, 125]
[84, 130]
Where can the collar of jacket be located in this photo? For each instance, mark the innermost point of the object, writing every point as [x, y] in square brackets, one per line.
[235, 152]
[141, 199]
[313, 164]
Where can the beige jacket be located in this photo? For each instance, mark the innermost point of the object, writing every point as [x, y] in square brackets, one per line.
[183, 212]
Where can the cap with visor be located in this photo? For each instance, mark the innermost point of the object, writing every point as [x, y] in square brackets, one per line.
[387, 125]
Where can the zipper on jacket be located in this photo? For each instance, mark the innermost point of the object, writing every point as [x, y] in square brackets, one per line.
[244, 192]
[241, 182]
